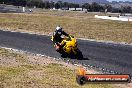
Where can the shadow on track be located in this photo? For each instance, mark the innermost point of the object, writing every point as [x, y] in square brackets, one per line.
[78, 57]
[73, 57]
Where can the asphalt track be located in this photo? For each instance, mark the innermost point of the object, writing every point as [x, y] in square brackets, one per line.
[115, 57]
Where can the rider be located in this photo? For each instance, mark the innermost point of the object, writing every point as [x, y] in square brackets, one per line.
[57, 37]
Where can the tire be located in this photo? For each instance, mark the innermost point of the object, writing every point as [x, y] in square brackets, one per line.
[81, 80]
[79, 54]
[63, 54]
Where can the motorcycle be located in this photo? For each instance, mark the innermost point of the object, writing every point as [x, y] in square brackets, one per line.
[69, 47]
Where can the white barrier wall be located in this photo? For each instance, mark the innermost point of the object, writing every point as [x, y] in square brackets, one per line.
[114, 18]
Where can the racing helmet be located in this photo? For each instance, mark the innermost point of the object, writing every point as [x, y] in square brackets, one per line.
[58, 28]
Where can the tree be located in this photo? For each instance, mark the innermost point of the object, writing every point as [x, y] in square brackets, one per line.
[95, 7]
[52, 4]
[71, 5]
[108, 7]
[57, 6]
[60, 3]
[66, 4]
[47, 4]
[86, 6]
[126, 9]
[76, 5]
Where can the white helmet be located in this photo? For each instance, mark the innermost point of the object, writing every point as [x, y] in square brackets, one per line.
[58, 28]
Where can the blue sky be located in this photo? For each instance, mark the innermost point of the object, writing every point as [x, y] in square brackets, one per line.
[119, 0]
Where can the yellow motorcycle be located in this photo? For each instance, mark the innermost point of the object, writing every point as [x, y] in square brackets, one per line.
[69, 47]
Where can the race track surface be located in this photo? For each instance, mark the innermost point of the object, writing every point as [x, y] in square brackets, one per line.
[115, 57]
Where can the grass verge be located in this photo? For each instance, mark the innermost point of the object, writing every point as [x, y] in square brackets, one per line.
[26, 74]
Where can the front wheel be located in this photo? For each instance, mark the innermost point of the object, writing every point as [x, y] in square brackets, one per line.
[79, 54]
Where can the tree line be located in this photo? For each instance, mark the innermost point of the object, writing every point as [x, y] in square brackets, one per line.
[94, 7]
